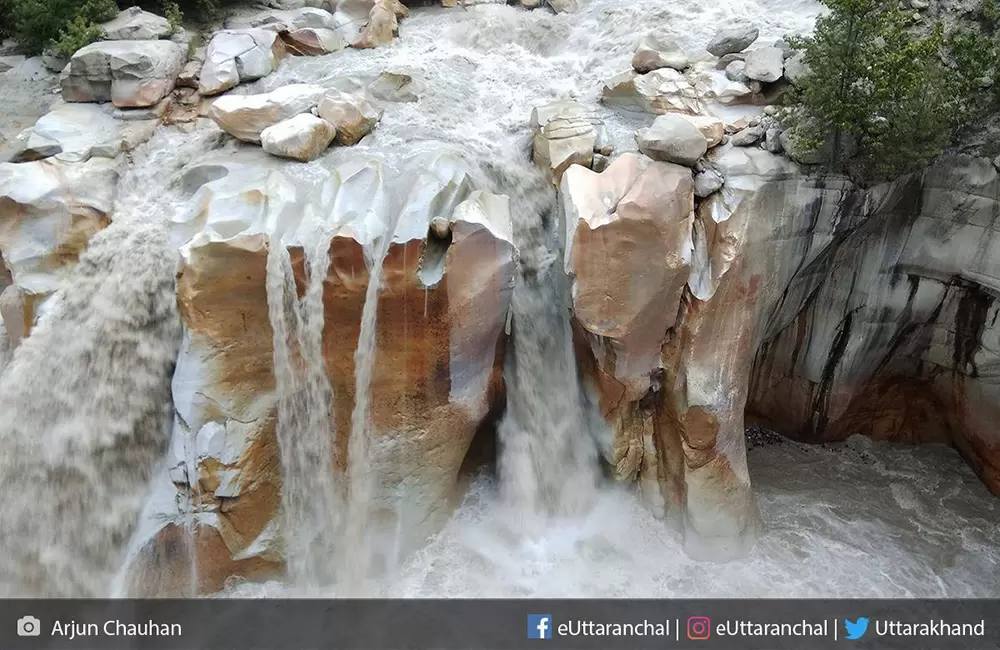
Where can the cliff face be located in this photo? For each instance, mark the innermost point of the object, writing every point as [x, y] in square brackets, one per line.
[891, 330]
[817, 308]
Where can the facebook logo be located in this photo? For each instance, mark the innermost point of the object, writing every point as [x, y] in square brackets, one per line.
[539, 626]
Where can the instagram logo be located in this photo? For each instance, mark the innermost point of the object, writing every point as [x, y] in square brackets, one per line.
[699, 628]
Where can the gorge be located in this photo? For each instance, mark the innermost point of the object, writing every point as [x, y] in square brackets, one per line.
[493, 338]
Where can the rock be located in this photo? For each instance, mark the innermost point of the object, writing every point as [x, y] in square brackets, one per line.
[732, 40]
[353, 116]
[245, 116]
[394, 86]
[765, 64]
[296, 19]
[75, 132]
[303, 137]
[352, 16]
[707, 182]
[8, 63]
[53, 61]
[661, 91]
[564, 6]
[237, 56]
[748, 136]
[772, 140]
[711, 127]
[134, 24]
[382, 27]
[736, 71]
[48, 211]
[565, 133]
[996, 163]
[130, 74]
[600, 163]
[16, 314]
[796, 69]
[310, 41]
[673, 139]
[654, 53]
[725, 60]
[712, 85]
[224, 385]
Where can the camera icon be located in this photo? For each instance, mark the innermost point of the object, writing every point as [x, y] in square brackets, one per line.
[28, 626]
[699, 628]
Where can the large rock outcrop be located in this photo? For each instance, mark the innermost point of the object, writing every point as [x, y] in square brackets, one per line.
[447, 279]
[813, 306]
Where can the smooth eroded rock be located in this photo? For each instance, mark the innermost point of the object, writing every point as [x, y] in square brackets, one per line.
[131, 74]
[351, 114]
[237, 56]
[303, 137]
[732, 40]
[245, 116]
[654, 53]
[672, 138]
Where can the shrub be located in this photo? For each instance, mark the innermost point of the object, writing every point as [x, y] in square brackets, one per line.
[41, 23]
[876, 85]
[76, 35]
[172, 12]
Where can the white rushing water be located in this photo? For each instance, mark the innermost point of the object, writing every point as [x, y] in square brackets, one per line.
[83, 421]
[860, 519]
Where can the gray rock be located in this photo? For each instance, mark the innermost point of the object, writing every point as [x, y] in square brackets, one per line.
[733, 39]
[302, 137]
[134, 24]
[707, 182]
[600, 163]
[796, 69]
[772, 140]
[748, 136]
[237, 56]
[765, 64]
[391, 86]
[654, 53]
[736, 71]
[54, 62]
[671, 138]
[725, 60]
[996, 163]
[35, 147]
[564, 6]
[131, 74]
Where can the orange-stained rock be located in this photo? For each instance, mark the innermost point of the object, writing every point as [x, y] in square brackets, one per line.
[437, 376]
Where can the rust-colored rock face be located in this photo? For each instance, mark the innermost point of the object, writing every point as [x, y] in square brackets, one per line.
[441, 310]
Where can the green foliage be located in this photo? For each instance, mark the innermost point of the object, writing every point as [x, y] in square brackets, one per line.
[874, 84]
[77, 34]
[6, 19]
[42, 23]
[172, 12]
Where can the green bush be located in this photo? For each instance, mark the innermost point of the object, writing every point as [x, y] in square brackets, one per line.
[76, 35]
[38, 24]
[875, 85]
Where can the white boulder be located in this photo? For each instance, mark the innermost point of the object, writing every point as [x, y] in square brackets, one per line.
[303, 137]
[131, 74]
[672, 138]
[245, 116]
[238, 56]
[134, 24]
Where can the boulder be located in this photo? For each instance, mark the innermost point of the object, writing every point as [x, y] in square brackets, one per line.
[311, 41]
[352, 16]
[245, 116]
[303, 137]
[796, 68]
[732, 40]
[748, 136]
[75, 132]
[382, 27]
[713, 85]
[237, 56]
[131, 74]
[772, 140]
[291, 20]
[442, 306]
[736, 71]
[49, 209]
[707, 182]
[352, 115]
[395, 86]
[661, 91]
[565, 133]
[564, 6]
[726, 59]
[134, 24]
[711, 127]
[672, 139]
[765, 64]
[654, 53]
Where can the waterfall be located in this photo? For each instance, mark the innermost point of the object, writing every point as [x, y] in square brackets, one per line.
[356, 554]
[548, 462]
[305, 427]
[84, 402]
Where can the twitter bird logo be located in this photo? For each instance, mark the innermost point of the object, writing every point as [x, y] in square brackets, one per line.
[856, 629]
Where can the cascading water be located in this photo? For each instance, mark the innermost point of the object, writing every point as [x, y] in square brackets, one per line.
[83, 417]
[310, 500]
